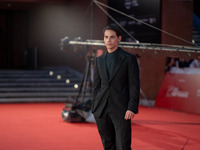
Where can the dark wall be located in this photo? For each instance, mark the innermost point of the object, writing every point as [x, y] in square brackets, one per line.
[177, 18]
[13, 41]
[41, 25]
[50, 23]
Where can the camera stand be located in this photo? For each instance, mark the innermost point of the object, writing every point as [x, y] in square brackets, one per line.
[81, 109]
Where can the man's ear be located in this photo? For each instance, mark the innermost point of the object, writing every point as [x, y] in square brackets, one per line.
[119, 38]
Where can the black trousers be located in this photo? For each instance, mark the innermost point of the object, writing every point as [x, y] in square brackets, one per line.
[115, 132]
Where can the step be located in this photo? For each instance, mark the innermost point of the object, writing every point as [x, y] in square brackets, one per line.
[8, 76]
[37, 80]
[196, 36]
[37, 84]
[39, 94]
[38, 89]
[41, 99]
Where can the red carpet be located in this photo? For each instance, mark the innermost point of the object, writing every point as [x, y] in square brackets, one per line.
[40, 127]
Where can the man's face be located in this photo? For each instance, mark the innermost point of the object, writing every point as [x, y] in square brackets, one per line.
[111, 40]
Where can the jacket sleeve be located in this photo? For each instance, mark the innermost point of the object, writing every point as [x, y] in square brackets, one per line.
[96, 83]
[134, 84]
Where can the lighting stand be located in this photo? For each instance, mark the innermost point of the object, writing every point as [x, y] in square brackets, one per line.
[81, 109]
[87, 80]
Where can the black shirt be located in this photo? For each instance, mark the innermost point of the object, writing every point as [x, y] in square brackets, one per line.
[110, 60]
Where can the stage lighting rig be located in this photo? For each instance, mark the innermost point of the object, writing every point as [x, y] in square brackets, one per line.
[64, 43]
[67, 45]
[167, 50]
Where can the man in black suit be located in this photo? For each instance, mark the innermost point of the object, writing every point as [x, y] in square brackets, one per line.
[115, 92]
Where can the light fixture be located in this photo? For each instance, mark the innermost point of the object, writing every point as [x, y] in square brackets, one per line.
[67, 81]
[59, 77]
[75, 86]
[50, 73]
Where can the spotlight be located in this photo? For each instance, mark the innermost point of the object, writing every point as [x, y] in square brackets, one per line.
[58, 77]
[50, 73]
[64, 43]
[67, 81]
[75, 86]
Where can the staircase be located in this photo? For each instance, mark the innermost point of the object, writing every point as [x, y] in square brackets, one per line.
[196, 29]
[38, 86]
[196, 36]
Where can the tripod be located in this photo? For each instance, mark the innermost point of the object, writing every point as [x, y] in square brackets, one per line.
[81, 109]
[87, 80]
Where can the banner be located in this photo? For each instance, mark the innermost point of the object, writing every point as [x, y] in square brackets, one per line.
[180, 92]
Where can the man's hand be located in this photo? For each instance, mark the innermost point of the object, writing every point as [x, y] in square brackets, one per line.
[129, 115]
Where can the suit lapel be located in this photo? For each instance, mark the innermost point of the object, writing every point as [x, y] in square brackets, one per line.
[118, 62]
[103, 65]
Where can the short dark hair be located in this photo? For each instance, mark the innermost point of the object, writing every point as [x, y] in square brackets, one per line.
[113, 28]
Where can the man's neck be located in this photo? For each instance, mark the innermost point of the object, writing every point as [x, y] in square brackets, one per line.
[111, 50]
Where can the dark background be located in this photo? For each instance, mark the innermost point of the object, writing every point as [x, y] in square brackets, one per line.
[26, 26]
[144, 10]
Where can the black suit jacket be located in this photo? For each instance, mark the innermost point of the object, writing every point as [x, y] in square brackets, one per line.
[122, 89]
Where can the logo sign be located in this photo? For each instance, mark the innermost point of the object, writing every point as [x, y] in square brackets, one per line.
[180, 92]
